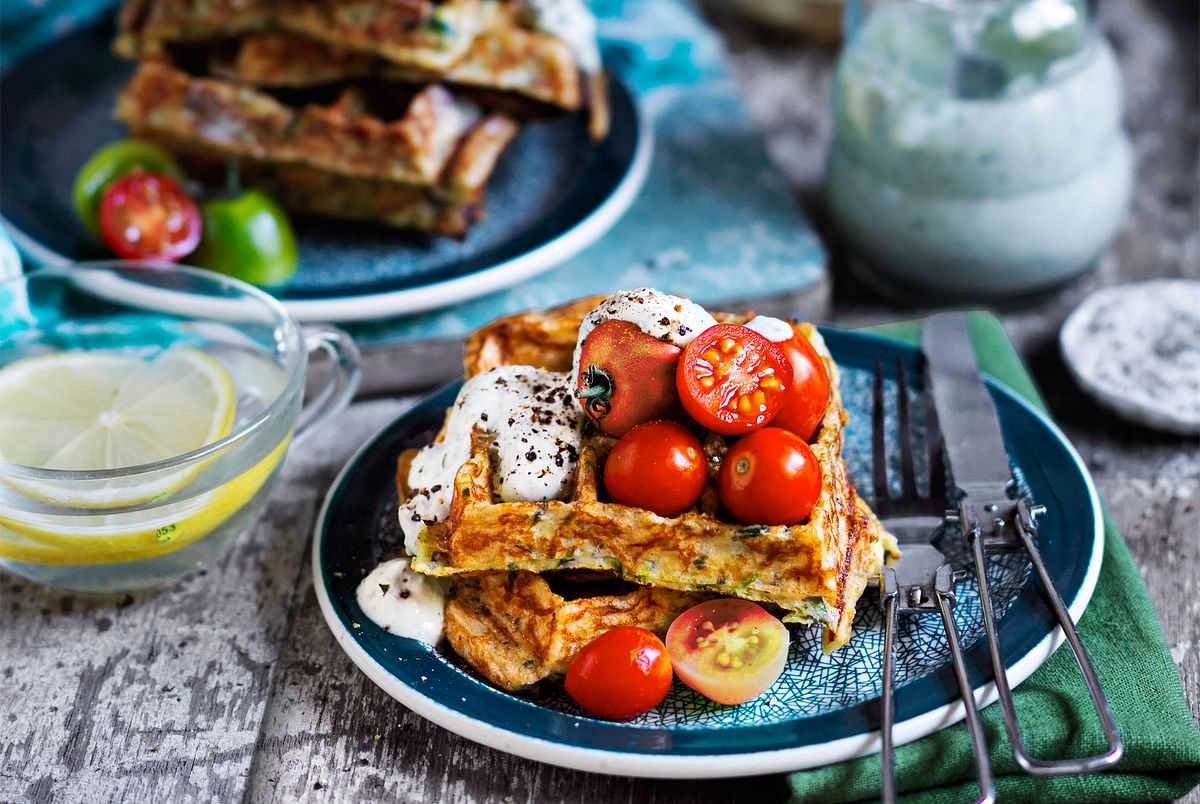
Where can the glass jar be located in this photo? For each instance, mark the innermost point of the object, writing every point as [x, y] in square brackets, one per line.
[979, 149]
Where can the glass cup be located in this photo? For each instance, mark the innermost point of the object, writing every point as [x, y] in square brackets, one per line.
[978, 149]
[141, 526]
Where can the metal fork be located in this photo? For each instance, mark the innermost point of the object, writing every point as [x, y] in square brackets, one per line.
[921, 581]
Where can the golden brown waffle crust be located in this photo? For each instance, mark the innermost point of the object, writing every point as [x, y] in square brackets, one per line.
[815, 571]
[516, 631]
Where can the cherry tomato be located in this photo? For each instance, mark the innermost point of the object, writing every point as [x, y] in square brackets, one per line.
[626, 377]
[806, 401]
[770, 478]
[148, 216]
[732, 380]
[620, 674]
[659, 466]
[728, 650]
[110, 163]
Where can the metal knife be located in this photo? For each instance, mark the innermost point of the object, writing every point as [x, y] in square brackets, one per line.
[994, 515]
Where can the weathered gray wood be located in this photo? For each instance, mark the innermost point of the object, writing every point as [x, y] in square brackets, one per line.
[159, 696]
[229, 685]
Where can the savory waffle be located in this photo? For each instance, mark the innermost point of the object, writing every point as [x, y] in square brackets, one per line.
[518, 628]
[417, 33]
[348, 136]
[478, 44]
[510, 59]
[815, 571]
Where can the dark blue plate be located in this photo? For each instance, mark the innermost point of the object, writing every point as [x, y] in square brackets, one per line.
[56, 109]
[823, 709]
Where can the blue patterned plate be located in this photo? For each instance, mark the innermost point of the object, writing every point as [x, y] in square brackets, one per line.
[822, 709]
[553, 193]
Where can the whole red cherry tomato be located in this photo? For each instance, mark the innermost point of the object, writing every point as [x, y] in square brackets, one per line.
[770, 477]
[732, 380]
[148, 216]
[620, 674]
[806, 401]
[659, 466]
[626, 377]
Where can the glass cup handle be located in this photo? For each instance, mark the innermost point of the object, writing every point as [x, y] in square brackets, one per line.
[339, 389]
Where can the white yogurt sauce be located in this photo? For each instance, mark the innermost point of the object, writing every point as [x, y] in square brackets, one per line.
[537, 425]
[572, 22]
[403, 602]
[773, 329]
[673, 319]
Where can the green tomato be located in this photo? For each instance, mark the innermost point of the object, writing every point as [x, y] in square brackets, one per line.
[248, 237]
[110, 163]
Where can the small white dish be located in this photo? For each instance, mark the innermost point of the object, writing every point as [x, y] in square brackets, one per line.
[1136, 350]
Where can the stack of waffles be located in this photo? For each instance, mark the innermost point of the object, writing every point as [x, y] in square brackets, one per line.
[535, 582]
[388, 111]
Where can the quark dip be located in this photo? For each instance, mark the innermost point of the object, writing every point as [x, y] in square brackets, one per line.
[572, 22]
[403, 602]
[669, 318]
[537, 426]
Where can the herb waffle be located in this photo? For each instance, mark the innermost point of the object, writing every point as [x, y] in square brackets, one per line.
[814, 571]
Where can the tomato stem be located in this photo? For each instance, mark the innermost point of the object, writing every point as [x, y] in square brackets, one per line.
[596, 393]
[233, 180]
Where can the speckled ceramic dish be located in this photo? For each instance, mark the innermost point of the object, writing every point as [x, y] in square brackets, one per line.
[1136, 349]
[822, 709]
[553, 193]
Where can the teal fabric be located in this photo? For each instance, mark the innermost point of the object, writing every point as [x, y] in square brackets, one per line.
[1121, 631]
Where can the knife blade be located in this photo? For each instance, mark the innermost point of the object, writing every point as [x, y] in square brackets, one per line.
[992, 520]
[965, 412]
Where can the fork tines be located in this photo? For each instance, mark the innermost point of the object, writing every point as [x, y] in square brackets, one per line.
[910, 500]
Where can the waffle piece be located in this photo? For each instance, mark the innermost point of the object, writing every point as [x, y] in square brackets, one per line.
[343, 138]
[483, 44]
[422, 34]
[449, 209]
[815, 571]
[518, 628]
[508, 59]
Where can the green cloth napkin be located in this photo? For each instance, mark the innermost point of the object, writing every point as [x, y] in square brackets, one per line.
[1120, 630]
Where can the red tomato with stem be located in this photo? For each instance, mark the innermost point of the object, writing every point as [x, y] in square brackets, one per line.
[728, 650]
[626, 377]
[620, 674]
[805, 403]
[148, 216]
[732, 380]
[659, 466]
[770, 477]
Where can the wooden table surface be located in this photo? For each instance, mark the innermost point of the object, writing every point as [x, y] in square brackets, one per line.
[229, 685]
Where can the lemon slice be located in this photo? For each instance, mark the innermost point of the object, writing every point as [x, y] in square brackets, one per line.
[95, 410]
[77, 539]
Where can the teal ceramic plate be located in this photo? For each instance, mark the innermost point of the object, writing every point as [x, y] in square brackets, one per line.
[822, 709]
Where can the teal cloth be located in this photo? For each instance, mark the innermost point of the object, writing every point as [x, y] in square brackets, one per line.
[1121, 631]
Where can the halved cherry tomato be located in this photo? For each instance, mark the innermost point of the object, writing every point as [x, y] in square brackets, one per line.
[770, 478]
[148, 216]
[110, 163]
[620, 674]
[626, 377]
[732, 380]
[728, 650]
[806, 401]
[659, 466]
